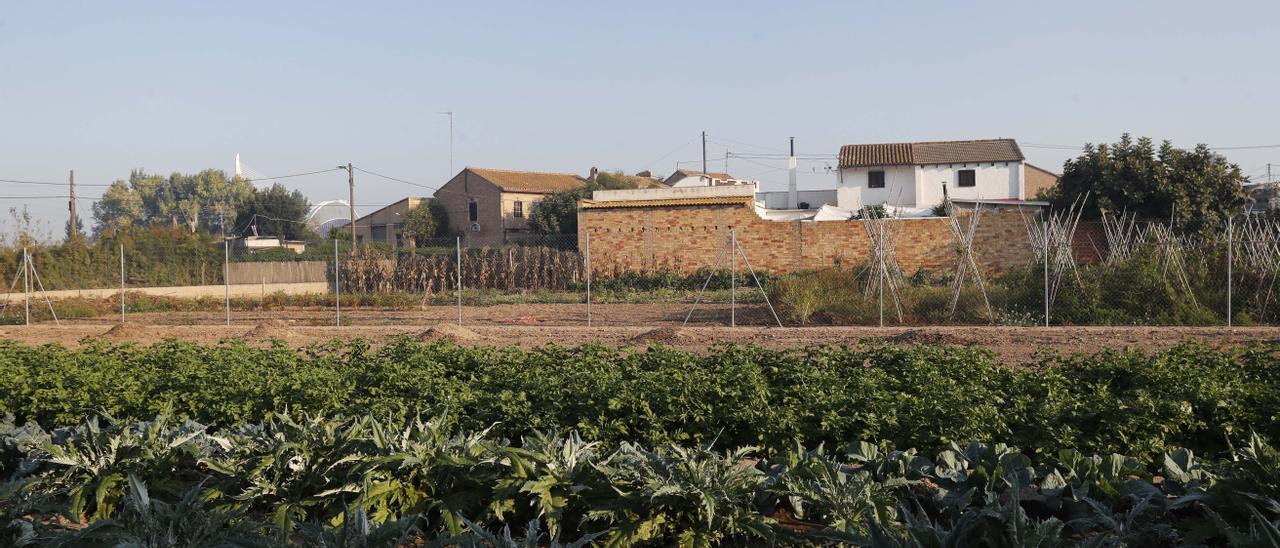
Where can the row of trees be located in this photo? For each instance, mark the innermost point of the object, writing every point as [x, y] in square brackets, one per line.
[207, 201]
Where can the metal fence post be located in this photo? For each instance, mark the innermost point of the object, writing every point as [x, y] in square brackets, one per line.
[1046, 272]
[226, 276]
[587, 254]
[458, 243]
[733, 278]
[121, 283]
[26, 284]
[1230, 256]
[337, 287]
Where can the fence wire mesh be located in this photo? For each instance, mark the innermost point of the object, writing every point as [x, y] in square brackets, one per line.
[1112, 271]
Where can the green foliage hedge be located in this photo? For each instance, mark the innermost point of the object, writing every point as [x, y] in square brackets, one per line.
[925, 397]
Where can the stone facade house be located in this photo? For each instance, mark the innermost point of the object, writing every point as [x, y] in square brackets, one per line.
[492, 206]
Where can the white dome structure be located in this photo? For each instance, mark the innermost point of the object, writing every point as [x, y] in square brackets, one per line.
[328, 215]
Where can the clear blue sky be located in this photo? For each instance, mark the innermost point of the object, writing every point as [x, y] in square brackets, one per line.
[104, 87]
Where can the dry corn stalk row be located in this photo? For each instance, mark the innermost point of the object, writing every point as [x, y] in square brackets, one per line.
[508, 269]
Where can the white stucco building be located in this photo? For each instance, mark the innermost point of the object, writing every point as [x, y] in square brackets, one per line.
[913, 175]
[683, 178]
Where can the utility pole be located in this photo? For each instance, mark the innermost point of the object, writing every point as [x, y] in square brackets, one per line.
[704, 153]
[71, 206]
[351, 186]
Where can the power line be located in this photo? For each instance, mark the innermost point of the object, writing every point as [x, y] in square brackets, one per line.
[729, 141]
[420, 185]
[49, 183]
[668, 155]
[293, 175]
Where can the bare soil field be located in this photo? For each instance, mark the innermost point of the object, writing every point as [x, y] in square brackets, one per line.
[616, 325]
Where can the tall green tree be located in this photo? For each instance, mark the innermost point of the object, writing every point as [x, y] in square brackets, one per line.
[275, 211]
[1197, 188]
[428, 220]
[557, 213]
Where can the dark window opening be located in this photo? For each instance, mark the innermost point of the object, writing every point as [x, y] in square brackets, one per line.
[473, 213]
[875, 179]
[519, 209]
[967, 178]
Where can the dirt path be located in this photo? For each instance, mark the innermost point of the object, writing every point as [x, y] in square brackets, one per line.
[622, 325]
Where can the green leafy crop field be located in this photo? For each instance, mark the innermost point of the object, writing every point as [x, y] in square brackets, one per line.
[434, 444]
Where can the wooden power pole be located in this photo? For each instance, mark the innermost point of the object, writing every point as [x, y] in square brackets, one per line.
[71, 206]
[351, 186]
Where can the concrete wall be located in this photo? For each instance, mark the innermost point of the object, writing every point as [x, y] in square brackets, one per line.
[778, 200]
[687, 238]
[277, 272]
[674, 193]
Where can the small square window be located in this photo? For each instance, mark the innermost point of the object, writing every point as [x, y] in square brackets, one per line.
[518, 209]
[875, 179]
[967, 177]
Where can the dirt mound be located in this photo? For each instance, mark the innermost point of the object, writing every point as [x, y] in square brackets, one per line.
[917, 336]
[665, 335]
[127, 331]
[449, 332]
[271, 329]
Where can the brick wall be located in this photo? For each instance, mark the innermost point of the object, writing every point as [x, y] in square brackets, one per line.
[457, 194]
[689, 237]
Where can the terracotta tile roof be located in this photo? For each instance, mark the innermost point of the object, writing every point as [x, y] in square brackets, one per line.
[716, 200]
[931, 152]
[530, 181]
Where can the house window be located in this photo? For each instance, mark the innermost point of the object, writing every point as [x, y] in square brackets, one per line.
[473, 212]
[519, 209]
[967, 177]
[875, 179]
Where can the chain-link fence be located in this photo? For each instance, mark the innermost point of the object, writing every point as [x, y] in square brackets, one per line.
[1112, 271]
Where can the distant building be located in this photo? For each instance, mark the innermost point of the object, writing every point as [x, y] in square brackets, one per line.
[914, 175]
[254, 244]
[386, 225]
[492, 206]
[690, 177]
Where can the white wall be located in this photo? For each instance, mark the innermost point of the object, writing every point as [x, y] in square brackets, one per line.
[995, 181]
[669, 193]
[778, 200]
[899, 187]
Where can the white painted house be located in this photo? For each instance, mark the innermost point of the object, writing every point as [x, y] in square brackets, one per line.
[683, 178]
[913, 175]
